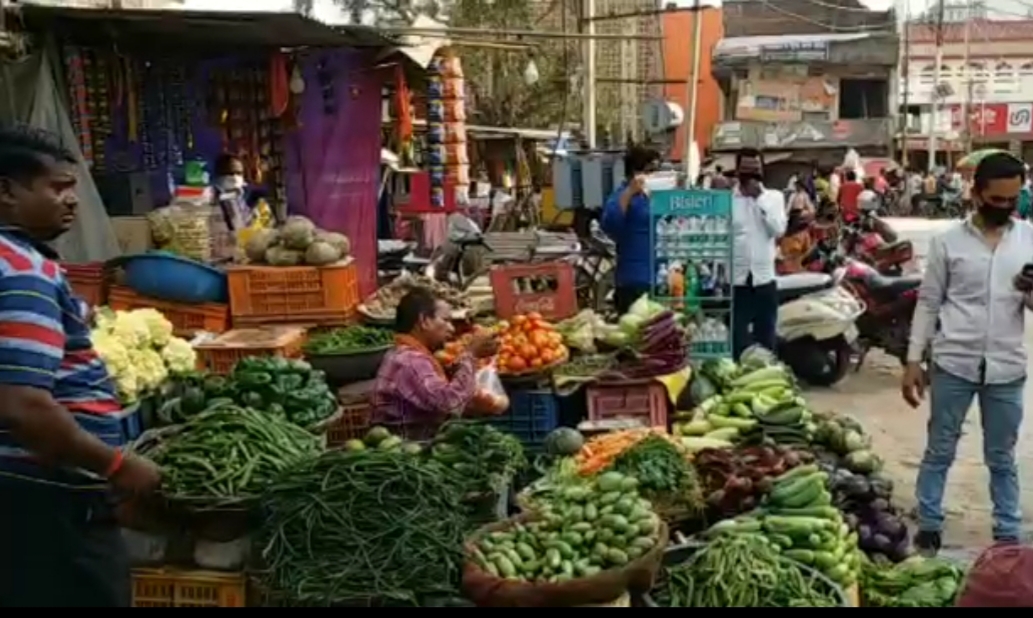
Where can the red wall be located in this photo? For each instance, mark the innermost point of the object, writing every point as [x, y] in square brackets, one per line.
[678, 29]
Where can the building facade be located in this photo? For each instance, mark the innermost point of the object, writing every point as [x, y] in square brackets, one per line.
[799, 92]
[106, 4]
[677, 56]
[995, 84]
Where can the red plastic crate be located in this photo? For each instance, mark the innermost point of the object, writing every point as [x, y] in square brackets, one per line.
[644, 400]
[187, 320]
[88, 281]
[557, 303]
[294, 294]
[219, 356]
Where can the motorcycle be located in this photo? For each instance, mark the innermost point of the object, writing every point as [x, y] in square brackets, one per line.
[864, 240]
[816, 326]
[889, 306]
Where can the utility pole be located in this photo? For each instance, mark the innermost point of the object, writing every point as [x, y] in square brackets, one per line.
[968, 78]
[692, 89]
[934, 112]
[588, 124]
[905, 67]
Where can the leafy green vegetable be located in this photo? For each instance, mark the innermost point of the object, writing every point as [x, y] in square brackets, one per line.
[349, 340]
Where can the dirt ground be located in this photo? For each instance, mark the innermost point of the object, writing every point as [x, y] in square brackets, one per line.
[898, 435]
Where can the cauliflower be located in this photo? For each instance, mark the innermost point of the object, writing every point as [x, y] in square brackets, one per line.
[158, 327]
[111, 351]
[127, 386]
[131, 329]
[179, 356]
[150, 368]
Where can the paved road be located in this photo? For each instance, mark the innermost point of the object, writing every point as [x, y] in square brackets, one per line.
[898, 432]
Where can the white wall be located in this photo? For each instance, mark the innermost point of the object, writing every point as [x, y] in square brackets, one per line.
[1001, 81]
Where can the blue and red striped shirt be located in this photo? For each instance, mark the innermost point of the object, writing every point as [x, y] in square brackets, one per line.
[45, 343]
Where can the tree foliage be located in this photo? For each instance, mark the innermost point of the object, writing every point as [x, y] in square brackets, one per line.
[495, 77]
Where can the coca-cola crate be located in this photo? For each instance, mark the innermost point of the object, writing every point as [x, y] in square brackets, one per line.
[546, 288]
[643, 400]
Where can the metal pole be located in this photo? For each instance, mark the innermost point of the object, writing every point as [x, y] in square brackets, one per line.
[934, 112]
[968, 78]
[906, 68]
[692, 85]
[588, 113]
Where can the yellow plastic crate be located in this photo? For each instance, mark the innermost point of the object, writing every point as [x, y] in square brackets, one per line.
[183, 588]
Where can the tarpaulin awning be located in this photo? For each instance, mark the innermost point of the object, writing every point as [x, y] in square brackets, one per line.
[192, 28]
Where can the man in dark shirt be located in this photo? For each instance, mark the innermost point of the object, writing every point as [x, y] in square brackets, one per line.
[60, 421]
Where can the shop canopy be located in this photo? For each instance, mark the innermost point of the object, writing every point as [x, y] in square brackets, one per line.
[192, 28]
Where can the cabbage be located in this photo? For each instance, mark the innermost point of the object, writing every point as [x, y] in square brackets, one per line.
[645, 308]
[630, 323]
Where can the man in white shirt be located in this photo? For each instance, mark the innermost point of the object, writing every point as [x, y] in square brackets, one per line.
[758, 221]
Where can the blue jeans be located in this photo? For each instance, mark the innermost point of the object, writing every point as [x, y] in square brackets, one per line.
[1000, 408]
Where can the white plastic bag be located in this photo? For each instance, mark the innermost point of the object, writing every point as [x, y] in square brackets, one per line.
[490, 398]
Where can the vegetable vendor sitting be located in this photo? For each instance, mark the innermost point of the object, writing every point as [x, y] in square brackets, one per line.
[412, 393]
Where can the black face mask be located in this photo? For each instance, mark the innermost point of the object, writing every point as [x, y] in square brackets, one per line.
[994, 216]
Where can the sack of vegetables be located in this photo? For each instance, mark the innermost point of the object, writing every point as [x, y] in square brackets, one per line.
[571, 554]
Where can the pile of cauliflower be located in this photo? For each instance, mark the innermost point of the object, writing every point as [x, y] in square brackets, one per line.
[139, 350]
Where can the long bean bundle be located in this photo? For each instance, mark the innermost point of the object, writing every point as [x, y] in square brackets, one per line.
[741, 571]
[360, 528]
[229, 452]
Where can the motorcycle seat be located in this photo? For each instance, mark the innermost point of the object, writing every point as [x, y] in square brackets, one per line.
[791, 287]
[891, 286]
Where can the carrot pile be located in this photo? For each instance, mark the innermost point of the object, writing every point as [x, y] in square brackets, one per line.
[599, 452]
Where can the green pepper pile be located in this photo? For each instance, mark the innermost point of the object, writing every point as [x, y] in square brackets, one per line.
[349, 340]
[280, 387]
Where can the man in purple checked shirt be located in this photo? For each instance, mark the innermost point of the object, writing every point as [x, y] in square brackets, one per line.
[413, 395]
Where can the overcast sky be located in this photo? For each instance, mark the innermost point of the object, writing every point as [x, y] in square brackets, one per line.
[327, 11]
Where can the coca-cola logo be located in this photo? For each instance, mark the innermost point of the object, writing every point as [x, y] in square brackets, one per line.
[1019, 117]
[544, 304]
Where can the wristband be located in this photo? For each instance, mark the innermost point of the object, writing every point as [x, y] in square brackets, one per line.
[115, 465]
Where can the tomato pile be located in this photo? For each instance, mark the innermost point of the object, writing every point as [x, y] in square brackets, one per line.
[529, 342]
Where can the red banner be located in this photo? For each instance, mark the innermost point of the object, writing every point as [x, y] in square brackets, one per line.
[984, 119]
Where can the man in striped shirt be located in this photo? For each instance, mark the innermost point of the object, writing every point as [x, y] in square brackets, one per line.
[60, 421]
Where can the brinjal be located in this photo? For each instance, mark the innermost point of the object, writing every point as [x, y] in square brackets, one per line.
[882, 544]
[879, 505]
[864, 535]
[890, 526]
[856, 488]
[852, 520]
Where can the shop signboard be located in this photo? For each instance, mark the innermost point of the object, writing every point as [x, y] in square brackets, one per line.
[796, 52]
[691, 232]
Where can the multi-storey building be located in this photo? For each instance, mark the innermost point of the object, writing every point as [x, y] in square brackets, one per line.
[996, 85]
[628, 72]
[105, 4]
[805, 81]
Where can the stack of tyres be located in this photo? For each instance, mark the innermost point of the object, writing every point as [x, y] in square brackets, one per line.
[446, 127]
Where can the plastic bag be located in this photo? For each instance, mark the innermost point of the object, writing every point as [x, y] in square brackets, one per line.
[490, 398]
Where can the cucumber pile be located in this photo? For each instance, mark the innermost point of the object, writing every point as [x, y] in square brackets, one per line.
[798, 516]
[601, 524]
[761, 406]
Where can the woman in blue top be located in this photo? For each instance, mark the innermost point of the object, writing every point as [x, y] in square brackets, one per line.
[625, 219]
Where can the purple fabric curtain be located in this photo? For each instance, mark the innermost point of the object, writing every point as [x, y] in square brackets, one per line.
[333, 158]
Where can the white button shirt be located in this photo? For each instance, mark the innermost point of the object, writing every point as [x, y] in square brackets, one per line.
[757, 225]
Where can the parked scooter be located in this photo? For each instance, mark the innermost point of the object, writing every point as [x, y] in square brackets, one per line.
[870, 240]
[889, 306]
[816, 326]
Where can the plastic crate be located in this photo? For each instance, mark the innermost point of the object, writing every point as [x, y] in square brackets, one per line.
[642, 400]
[221, 354]
[557, 303]
[181, 588]
[532, 415]
[352, 425]
[88, 282]
[187, 320]
[294, 294]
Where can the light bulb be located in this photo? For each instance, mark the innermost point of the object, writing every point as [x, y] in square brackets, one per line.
[531, 73]
[297, 83]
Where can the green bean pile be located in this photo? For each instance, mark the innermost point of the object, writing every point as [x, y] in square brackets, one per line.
[230, 452]
[349, 340]
[362, 528]
[741, 571]
[485, 458]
